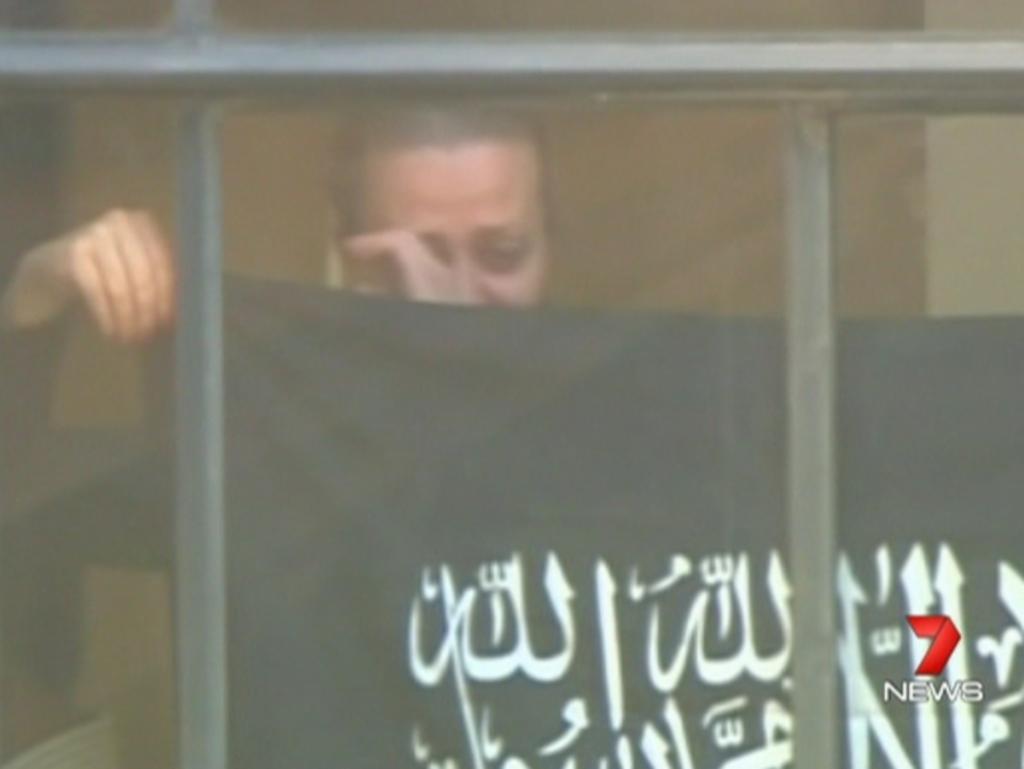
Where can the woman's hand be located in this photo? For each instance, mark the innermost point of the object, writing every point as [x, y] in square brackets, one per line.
[119, 266]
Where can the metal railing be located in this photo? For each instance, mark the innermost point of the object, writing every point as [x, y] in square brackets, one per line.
[815, 78]
[856, 72]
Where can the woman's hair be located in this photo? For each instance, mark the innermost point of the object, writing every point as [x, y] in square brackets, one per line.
[401, 128]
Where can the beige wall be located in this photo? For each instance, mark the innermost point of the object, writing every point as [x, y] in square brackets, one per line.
[470, 15]
[975, 216]
[975, 201]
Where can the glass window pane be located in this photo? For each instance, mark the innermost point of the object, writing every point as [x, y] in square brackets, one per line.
[85, 433]
[82, 14]
[616, 436]
[573, 15]
[929, 430]
[881, 205]
[991, 16]
[975, 259]
[649, 207]
[928, 212]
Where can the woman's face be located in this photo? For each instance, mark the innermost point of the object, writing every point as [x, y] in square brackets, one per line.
[475, 207]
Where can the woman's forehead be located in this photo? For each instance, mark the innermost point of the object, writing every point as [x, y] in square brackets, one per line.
[494, 178]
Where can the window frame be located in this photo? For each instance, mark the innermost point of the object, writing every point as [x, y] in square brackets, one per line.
[815, 79]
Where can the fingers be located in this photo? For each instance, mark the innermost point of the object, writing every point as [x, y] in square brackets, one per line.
[118, 284]
[148, 263]
[162, 264]
[86, 275]
[418, 274]
[133, 249]
[378, 264]
[122, 268]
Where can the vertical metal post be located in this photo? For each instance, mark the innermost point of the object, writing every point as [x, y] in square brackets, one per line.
[811, 488]
[201, 562]
[200, 565]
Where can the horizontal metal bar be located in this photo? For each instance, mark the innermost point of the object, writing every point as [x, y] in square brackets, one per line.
[860, 68]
